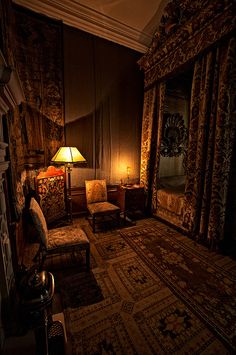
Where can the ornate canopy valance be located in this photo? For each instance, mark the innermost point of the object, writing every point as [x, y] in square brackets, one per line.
[186, 29]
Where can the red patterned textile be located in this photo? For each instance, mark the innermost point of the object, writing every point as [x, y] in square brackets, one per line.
[50, 186]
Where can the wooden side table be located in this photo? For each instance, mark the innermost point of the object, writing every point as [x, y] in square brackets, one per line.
[131, 200]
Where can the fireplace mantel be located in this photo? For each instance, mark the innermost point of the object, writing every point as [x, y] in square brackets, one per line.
[11, 95]
[11, 92]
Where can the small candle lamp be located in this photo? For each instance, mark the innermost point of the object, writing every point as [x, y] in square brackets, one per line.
[128, 174]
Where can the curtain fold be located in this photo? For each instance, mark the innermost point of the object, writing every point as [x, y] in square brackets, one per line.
[211, 139]
[149, 112]
[150, 141]
[157, 152]
[104, 143]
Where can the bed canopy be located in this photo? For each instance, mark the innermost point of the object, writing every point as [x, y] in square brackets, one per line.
[200, 34]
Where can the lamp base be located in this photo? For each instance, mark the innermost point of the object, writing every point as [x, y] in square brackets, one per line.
[69, 199]
[69, 209]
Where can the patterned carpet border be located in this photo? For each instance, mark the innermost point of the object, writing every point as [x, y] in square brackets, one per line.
[186, 268]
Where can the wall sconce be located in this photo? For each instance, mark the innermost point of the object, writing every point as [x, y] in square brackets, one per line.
[68, 156]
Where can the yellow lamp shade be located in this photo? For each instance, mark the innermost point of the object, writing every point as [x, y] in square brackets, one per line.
[68, 155]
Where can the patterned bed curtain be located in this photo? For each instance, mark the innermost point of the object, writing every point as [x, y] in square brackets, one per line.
[211, 139]
[150, 142]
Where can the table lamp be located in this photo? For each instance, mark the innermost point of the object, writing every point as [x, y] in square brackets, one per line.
[128, 175]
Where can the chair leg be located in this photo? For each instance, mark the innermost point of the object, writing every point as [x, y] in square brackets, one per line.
[43, 258]
[40, 256]
[37, 255]
[94, 224]
[118, 219]
[88, 258]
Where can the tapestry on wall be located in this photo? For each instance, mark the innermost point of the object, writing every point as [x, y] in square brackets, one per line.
[39, 60]
[5, 34]
[16, 150]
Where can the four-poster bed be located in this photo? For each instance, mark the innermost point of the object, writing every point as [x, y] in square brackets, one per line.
[199, 35]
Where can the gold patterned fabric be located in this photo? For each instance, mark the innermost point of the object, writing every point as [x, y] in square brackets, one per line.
[186, 29]
[151, 141]
[96, 191]
[189, 32]
[149, 106]
[58, 239]
[64, 236]
[100, 208]
[97, 204]
[171, 199]
[211, 141]
[156, 162]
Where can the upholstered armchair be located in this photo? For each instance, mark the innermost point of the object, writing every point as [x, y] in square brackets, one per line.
[57, 240]
[98, 206]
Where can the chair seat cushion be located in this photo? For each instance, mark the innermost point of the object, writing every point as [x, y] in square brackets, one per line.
[102, 208]
[68, 236]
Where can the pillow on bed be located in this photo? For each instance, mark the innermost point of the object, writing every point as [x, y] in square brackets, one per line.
[39, 221]
[171, 181]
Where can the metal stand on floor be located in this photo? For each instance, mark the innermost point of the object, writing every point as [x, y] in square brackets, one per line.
[37, 290]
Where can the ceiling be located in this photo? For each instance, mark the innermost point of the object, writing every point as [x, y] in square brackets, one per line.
[131, 23]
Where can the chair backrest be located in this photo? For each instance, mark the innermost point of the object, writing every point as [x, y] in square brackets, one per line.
[50, 186]
[39, 221]
[96, 191]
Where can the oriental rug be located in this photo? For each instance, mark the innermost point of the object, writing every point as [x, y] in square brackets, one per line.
[150, 291]
[203, 280]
